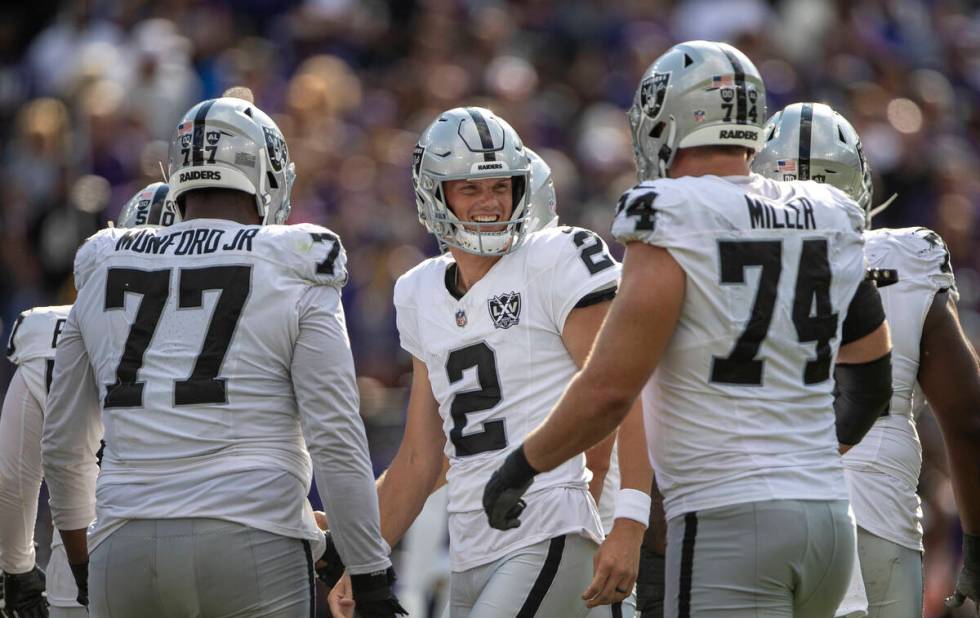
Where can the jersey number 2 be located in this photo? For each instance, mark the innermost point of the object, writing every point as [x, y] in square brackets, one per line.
[153, 286]
[492, 437]
[813, 316]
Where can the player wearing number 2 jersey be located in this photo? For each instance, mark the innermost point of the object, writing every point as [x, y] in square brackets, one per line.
[932, 361]
[214, 353]
[496, 326]
[737, 292]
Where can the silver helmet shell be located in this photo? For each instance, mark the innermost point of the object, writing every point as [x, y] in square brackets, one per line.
[811, 141]
[470, 143]
[150, 206]
[699, 93]
[229, 143]
[543, 202]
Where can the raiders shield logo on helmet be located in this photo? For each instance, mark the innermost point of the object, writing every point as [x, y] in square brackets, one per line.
[652, 93]
[505, 310]
[276, 147]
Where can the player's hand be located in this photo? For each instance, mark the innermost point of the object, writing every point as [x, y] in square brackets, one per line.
[23, 594]
[321, 520]
[615, 564]
[341, 599]
[502, 495]
[968, 583]
[330, 566]
[80, 572]
[374, 596]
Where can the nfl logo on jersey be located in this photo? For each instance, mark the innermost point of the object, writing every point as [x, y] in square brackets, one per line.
[460, 318]
[505, 310]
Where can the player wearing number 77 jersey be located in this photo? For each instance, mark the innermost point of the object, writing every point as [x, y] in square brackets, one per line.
[215, 355]
[737, 292]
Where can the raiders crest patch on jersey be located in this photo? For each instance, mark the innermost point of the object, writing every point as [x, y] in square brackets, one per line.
[505, 310]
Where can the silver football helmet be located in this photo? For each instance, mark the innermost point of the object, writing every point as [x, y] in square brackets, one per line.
[470, 143]
[150, 206]
[229, 143]
[543, 202]
[698, 93]
[810, 141]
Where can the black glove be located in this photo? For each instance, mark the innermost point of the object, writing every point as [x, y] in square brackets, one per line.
[80, 571]
[333, 569]
[968, 583]
[502, 495]
[373, 595]
[24, 596]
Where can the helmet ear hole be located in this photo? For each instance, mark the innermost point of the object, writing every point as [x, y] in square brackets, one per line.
[658, 130]
[688, 61]
[840, 134]
[272, 180]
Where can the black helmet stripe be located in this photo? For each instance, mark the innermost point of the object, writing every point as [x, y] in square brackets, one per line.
[156, 205]
[197, 147]
[484, 130]
[806, 125]
[741, 108]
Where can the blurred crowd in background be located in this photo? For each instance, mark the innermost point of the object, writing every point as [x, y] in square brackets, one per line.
[90, 92]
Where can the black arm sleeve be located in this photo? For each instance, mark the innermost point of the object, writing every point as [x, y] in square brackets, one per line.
[864, 314]
[862, 393]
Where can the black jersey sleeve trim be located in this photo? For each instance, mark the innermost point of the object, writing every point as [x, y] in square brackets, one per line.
[594, 298]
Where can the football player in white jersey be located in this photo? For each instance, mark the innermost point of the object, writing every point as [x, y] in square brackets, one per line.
[31, 348]
[214, 353]
[738, 291]
[931, 362]
[496, 325]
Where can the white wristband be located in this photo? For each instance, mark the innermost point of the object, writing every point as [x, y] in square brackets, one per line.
[632, 504]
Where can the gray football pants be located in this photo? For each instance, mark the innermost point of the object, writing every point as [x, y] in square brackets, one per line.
[199, 568]
[892, 577]
[546, 580]
[771, 559]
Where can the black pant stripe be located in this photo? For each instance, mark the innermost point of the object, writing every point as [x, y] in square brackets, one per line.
[547, 575]
[312, 577]
[806, 126]
[197, 144]
[687, 565]
[486, 140]
[741, 108]
[617, 610]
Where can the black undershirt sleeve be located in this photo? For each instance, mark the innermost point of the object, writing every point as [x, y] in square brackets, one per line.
[864, 314]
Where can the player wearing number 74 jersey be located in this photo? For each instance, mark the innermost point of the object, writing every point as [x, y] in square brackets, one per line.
[737, 292]
[215, 355]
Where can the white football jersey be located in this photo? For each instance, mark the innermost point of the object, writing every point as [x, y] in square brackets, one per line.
[497, 364]
[740, 408]
[192, 332]
[32, 345]
[34, 337]
[883, 469]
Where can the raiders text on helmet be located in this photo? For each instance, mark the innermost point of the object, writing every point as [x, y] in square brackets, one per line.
[699, 93]
[470, 143]
[152, 205]
[810, 141]
[229, 143]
